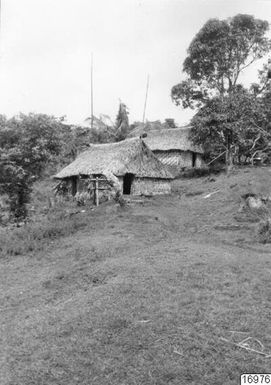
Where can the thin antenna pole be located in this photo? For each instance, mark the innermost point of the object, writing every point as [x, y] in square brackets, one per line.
[0, 26]
[91, 89]
[145, 104]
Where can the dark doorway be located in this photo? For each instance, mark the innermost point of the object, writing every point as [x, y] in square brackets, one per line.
[194, 158]
[127, 183]
[74, 184]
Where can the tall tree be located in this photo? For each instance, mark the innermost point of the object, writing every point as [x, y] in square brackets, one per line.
[218, 54]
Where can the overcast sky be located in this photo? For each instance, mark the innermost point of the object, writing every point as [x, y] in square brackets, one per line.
[46, 47]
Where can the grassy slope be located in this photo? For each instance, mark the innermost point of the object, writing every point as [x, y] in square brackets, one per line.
[111, 303]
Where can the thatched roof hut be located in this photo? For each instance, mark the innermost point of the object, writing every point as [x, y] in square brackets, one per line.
[131, 161]
[166, 138]
[128, 156]
[171, 145]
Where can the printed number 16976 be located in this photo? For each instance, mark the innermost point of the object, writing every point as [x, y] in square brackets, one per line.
[262, 379]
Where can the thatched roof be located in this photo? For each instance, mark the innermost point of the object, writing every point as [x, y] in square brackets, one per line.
[128, 156]
[166, 139]
[148, 126]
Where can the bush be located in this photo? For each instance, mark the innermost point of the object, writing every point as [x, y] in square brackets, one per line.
[194, 173]
[119, 199]
[36, 235]
[264, 231]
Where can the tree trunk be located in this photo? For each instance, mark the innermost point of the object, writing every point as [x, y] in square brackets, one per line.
[229, 154]
[230, 158]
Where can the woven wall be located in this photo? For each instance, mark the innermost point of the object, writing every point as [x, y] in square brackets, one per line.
[150, 186]
[199, 161]
[175, 158]
[140, 186]
[178, 159]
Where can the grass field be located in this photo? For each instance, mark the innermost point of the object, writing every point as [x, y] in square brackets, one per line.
[139, 295]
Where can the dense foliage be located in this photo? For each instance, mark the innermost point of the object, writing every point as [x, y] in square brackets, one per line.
[34, 145]
[218, 54]
[239, 120]
[230, 118]
[28, 145]
[102, 132]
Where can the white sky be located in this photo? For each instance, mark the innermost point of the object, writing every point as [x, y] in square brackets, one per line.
[46, 47]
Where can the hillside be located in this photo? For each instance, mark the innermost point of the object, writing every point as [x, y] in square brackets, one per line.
[142, 294]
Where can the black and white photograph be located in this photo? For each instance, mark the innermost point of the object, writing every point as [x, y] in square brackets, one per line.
[135, 192]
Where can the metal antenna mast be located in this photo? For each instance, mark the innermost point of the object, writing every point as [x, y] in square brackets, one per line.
[145, 104]
[91, 89]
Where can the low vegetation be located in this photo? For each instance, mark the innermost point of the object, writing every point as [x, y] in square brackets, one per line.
[62, 220]
[264, 230]
[142, 295]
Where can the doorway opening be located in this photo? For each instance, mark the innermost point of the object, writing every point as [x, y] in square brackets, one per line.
[127, 183]
[74, 185]
[194, 158]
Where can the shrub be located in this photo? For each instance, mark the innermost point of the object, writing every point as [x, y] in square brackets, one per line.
[119, 199]
[36, 235]
[194, 173]
[264, 231]
[82, 198]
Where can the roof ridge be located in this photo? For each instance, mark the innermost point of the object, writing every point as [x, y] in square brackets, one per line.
[120, 158]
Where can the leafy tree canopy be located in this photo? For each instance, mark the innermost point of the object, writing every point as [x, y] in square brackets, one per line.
[28, 144]
[102, 132]
[230, 118]
[239, 120]
[39, 139]
[220, 51]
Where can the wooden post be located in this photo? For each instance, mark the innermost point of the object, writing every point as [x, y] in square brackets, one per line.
[229, 160]
[147, 89]
[91, 91]
[0, 25]
[97, 191]
[96, 188]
